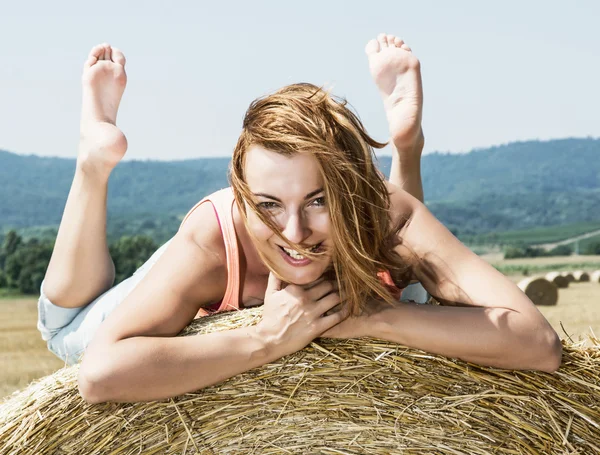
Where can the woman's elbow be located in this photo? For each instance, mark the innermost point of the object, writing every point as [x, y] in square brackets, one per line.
[550, 353]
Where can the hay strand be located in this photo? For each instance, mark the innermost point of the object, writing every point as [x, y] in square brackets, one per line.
[559, 280]
[352, 396]
[539, 290]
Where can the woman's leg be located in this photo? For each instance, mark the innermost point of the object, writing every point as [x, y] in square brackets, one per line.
[397, 74]
[81, 268]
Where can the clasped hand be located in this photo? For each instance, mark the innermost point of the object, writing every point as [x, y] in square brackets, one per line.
[295, 315]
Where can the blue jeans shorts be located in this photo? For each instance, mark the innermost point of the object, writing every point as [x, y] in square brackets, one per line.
[68, 331]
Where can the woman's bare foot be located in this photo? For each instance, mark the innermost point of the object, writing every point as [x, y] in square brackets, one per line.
[102, 144]
[397, 74]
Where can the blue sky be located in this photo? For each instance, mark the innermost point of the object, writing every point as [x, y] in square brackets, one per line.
[493, 73]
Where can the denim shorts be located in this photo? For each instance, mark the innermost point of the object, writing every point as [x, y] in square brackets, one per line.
[68, 331]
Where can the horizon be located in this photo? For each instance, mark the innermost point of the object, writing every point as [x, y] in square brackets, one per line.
[378, 155]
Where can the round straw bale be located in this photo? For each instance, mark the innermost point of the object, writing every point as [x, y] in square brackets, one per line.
[559, 280]
[569, 276]
[352, 396]
[581, 276]
[540, 290]
[595, 278]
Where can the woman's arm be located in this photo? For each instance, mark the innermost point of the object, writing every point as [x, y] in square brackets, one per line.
[134, 355]
[492, 322]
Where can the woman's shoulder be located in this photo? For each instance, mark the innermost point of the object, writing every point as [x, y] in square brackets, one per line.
[203, 226]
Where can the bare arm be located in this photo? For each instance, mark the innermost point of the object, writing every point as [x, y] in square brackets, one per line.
[491, 321]
[135, 355]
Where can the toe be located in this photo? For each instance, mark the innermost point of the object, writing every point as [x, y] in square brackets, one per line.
[118, 57]
[382, 38]
[406, 48]
[390, 40]
[96, 51]
[398, 42]
[103, 55]
[372, 47]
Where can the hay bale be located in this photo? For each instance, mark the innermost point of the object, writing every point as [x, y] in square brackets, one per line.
[539, 290]
[581, 276]
[559, 280]
[569, 276]
[595, 278]
[352, 396]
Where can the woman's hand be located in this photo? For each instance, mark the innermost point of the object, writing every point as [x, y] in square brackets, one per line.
[294, 316]
[357, 326]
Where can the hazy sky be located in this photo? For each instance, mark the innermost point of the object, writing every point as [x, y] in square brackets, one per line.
[493, 73]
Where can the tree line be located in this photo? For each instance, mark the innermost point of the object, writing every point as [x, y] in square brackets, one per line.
[23, 263]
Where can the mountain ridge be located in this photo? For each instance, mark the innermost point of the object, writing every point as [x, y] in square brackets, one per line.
[510, 186]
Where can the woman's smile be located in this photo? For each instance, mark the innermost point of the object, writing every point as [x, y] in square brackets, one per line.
[290, 191]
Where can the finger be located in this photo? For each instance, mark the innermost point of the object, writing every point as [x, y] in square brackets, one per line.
[319, 291]
[327, 303]
[330, 320]
[273, 284]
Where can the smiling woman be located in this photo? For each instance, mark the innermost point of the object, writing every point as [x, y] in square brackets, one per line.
[309, 228]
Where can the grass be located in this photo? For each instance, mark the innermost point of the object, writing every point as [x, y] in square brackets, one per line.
[583, 244]
[23, 353]
[533, 236]
[532, 268]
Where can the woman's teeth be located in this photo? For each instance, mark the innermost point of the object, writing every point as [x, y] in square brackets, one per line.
[294, 254]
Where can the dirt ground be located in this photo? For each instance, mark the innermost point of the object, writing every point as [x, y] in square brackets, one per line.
[25, 357]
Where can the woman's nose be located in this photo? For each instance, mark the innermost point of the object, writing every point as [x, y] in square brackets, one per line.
[296, 229]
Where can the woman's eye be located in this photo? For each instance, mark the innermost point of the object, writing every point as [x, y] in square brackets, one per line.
[320, 201]
[267, 205]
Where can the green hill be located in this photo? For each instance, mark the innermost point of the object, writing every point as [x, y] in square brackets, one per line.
[510, 187]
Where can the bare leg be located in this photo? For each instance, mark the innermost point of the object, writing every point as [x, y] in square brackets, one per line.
[81, 268]
[397, 74]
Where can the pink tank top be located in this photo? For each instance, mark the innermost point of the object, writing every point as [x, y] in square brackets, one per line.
[222, 202]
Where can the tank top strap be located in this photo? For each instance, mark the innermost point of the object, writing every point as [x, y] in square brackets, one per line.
[222, 202]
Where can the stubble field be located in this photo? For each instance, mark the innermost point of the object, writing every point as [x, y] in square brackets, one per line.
[25, 357]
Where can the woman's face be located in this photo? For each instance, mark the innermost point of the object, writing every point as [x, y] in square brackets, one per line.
[290, 191]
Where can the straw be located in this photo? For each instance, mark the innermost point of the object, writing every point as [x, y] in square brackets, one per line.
[356, 396]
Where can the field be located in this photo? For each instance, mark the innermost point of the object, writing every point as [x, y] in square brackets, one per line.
[533, 236]
[26, 357]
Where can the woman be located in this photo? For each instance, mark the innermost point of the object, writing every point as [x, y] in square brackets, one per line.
[309, 227]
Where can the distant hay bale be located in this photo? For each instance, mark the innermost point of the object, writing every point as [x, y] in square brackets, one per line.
[559, 280]
[539, 290]
[569, 276]
[595, 278]
[353, 396]
[581, 276]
